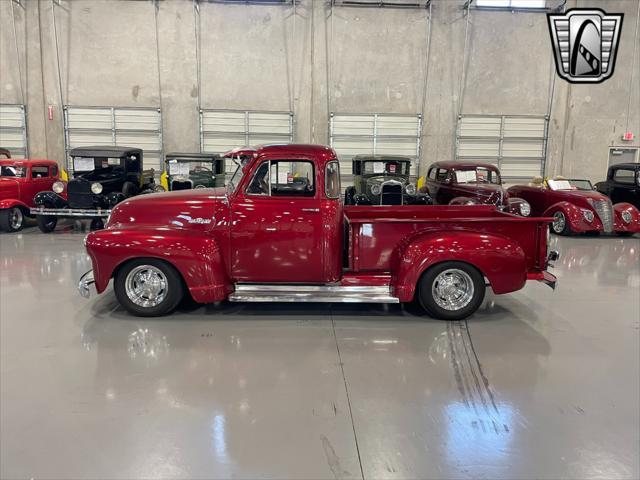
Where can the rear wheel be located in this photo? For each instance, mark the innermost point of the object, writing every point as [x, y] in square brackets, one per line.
[47, 223]
[129, 189]
[148, 287]
[451, 290]
[560, 226]
[11, 219]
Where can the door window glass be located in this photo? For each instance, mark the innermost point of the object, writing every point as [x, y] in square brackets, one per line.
[39, 172]
[332, 180]
[291, 178]
[441, 176]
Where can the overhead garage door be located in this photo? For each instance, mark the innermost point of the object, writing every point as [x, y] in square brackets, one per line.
[13, 130]
[377, 134]
[516, 144]
[123, 127]
[223, 130]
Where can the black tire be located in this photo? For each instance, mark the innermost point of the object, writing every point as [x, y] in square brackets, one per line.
[624, 234]
[467, 274]
[561, 227]
[96, 224]
[172, 296]
[11, 219]
[47, 223]
[129, 189]
[349, 195]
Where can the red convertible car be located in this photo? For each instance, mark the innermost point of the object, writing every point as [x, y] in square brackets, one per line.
[471, 183]
[20, 181]
[576, 207]
[278, 232]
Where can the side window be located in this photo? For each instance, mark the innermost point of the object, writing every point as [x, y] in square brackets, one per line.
[39, 172]
[259, 184]
[332, 180]
[288, 178]
[623, 176]
[54, 171]
[441, 175]
[432, 174]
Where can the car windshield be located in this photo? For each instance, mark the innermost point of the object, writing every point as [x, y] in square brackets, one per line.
[477, 175]
[569, 185]
[89, 164]
[389, 167]
[13, 171]
[189, 167]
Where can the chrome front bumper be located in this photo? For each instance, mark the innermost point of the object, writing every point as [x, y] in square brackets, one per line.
[84, 283]
[71, 212]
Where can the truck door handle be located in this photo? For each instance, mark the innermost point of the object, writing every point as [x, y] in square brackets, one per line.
[311, 210]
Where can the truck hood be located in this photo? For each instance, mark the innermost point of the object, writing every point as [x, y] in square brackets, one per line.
[201, 209]
[9, 188]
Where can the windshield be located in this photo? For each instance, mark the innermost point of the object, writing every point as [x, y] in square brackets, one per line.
[189, 167]
[89, 164]
[477, 175]
[13, 171]
[386, 167]
[570, 185]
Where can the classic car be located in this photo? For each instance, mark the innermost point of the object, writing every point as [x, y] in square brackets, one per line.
[20, 180]
[471, 183]
[101, 178]
[576, 207]
[383, 180]
[278, 232]
[184, 171]
[622, 184]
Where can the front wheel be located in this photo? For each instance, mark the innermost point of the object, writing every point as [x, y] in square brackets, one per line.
[451, 290]
[47, 223]
[11, 219]
[148, 287]
[560, 226]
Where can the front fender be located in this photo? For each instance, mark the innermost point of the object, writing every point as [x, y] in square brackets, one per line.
[196, 255]
[573, 214]
[620, 224]
[50, 200]
[12, 202]
[497, 258]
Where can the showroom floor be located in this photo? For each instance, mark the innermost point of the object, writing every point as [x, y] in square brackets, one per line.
[538, 384]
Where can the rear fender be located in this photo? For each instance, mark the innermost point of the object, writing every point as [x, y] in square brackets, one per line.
[197, 256]
[572, 213]
[498, 258]
[13, 202]
[50, 200]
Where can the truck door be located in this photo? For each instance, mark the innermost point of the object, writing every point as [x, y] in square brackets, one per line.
[276, 228]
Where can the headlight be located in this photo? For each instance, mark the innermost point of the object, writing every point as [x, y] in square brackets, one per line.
[626, 216]
[375, 189]
[588, 215]
[96, 188]
[525, 209]
[58, 187]
[410, 189]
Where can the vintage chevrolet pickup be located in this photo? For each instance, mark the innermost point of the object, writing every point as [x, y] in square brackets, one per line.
[279, 232]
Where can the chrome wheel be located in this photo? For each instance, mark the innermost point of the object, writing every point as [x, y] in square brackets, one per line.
[146, 286]
[452, 289]
[559, 222]
[15, 218]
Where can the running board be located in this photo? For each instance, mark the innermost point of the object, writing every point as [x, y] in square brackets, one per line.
[312, 293]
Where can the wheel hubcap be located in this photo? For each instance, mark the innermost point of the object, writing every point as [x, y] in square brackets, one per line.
[453, 289]
[558, 222]
[15, 218]
[146, 286]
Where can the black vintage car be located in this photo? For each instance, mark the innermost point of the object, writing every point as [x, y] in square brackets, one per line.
[184, 171]
[101, 178]
[622, 184]
[383, 180]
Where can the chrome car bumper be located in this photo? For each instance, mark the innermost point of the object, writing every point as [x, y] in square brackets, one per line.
[84, 283]
[71, 212]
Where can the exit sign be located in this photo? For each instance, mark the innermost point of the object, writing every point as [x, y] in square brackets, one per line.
[628, 136]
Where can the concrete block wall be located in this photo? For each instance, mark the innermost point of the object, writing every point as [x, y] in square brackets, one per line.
[314, 59]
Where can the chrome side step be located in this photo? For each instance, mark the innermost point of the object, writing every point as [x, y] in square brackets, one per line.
[311, 293]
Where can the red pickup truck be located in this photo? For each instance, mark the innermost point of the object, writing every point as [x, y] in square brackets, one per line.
[278, 232]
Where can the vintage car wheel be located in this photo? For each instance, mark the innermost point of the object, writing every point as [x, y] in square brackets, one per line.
[560, 226]
[11, 219]
[129, 189]
[46, 223]
[451, 290]
[96, 224]
[148, 287]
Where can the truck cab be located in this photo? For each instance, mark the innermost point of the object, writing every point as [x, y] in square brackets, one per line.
[279, 232]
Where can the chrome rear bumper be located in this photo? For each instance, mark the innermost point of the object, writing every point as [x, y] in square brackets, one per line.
[84, 283]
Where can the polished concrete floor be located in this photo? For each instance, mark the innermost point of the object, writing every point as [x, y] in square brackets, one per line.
[538, 384]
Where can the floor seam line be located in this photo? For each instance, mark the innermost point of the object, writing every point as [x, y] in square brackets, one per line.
[346, 389]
